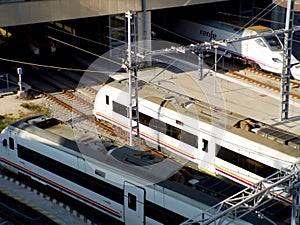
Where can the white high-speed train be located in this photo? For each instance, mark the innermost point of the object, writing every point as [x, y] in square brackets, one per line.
[186, 128]
[266, 50]
[129, 185]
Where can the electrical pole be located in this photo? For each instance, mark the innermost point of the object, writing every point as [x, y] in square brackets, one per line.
[133, 111]
[286, 67]
[295, 201]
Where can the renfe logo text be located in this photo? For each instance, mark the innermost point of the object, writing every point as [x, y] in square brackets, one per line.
[211, 35]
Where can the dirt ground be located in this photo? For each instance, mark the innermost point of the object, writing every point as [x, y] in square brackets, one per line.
[10, 105]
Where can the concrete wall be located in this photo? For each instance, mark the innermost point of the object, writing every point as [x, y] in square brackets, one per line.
[28, 12]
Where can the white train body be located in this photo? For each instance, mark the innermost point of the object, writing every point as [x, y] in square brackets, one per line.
[265, 51]
[242, 156]
[115, 184]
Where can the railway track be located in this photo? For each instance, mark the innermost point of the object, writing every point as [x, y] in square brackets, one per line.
[19, 193]
[265, 80]
[81, 109]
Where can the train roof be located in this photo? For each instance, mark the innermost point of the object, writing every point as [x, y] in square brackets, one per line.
[60, 135]
[183, 105]
[47, 128]
[143, 164]
[260, 29]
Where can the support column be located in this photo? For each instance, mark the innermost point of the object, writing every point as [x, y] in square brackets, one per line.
[133, 111]
[286, 68]
[295, 202]
[144, 35]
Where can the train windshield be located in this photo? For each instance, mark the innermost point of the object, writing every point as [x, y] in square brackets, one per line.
[273, 42]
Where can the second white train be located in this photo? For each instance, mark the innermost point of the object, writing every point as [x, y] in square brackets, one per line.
[243, 150]
[265, 50]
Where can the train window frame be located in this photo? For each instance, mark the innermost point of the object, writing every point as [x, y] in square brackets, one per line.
[11, 143]
[100, 173]
[205, 145]
[69, 173]
[132, 201]
[120, 109]
[189, 138]
[270, 40]
[160, 126]
[144, 119]
[174, 132]
[4, 142]
[107, 99]
[179, 122]
[260, 42]
[244, 162]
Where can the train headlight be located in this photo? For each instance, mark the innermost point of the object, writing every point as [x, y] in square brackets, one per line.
[276, 60]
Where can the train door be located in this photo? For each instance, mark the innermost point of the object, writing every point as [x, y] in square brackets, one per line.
[4, 147]
[206, 154]
[134, 198]
[11, 144]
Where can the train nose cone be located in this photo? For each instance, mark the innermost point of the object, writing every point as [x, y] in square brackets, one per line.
[295, 71]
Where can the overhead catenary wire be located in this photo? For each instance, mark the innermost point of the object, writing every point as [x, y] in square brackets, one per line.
[70, 45]
[256, 18]
[248, 17]
[253, 20]
[78, 36]
[86, 39]
[51, 67]
[81, 49]
[81, 70]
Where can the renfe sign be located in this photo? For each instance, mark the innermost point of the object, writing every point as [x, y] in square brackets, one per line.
[210, 34]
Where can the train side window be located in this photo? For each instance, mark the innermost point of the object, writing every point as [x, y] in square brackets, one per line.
[260, 42]
[100, 173]
[244, 162]
[144, 119]
[173, 132]
[4, 143]
[119, 108]
[11, 143]
[107, 100]
[205, 145]
[132, 201]
[189, 139]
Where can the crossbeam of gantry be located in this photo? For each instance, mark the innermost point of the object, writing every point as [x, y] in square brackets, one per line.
[35, 11]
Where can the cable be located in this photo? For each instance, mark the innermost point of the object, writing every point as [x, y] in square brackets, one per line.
[17, 84]
[256, 18]
[77, 36]
[174, 33]
[81, 49]
[52, 67]
[247, 17]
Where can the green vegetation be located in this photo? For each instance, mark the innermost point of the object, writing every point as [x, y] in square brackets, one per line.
[33, 110]
[5, 120]
[36, 109]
